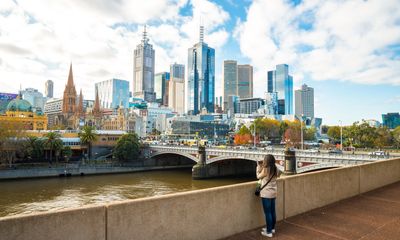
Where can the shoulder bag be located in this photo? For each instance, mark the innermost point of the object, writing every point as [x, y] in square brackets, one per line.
[259, 188]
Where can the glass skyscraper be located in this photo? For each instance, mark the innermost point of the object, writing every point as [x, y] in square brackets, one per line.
[201, 77]
[143, 70]
[161, 84]
[113, 92]
[281, 82]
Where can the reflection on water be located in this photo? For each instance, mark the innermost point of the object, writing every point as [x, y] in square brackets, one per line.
[39, 195]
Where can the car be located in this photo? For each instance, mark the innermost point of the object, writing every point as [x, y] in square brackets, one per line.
[335, 151]
[377, 153]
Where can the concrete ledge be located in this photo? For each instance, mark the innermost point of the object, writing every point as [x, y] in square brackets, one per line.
[86, 223]
[312, 190]
[204, 214]
[378, 174]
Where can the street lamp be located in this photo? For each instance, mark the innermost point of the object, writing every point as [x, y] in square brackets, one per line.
[341, 135]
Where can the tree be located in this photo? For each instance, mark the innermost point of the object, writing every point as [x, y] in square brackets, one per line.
[53, 143]
[127, 148]
[266, 128]
[243, 136]
[87, 136]
[384, 137]
[283, 126]
[309, 133]
[34, 148]
[324, 129]
[11, 134]
[292, 134]
[66, 153]
[396, 136]
[334, 133]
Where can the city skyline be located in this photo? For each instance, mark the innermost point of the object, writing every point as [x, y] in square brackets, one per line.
[346, 67]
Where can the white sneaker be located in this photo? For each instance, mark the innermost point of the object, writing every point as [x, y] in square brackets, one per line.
[265, 230]
[265, 234]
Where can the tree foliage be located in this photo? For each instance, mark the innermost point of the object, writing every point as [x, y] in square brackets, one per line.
[334, 133]
[54, 144]
[127, 148]
[11, 133]
[88, 136]
[34, 148]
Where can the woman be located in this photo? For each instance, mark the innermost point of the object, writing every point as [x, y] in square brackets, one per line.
[267, 171]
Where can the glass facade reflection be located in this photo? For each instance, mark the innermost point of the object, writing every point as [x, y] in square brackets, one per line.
[201, 129]
[161, 84]
[281, 82]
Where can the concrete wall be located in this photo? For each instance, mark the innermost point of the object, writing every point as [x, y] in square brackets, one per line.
[203, 214]
[82, 223]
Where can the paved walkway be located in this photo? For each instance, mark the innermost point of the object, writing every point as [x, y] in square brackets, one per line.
[373, 215]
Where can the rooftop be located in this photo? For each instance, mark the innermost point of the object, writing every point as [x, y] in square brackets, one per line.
[372, 215]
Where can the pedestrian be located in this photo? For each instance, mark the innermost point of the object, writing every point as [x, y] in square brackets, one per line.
[267, 172]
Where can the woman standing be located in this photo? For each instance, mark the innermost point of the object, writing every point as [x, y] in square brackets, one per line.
[268, 173]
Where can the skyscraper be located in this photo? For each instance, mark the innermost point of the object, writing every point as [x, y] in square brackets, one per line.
[161, 85]
[304, 102]
[143, 70]
[112, 93]
[176, 95]
[201, 79]
[237, 81]
[281, 82]
[49, 87]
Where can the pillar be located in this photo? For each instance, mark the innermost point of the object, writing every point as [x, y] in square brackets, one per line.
[290, 162]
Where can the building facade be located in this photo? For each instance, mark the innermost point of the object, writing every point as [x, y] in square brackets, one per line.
[281, 82]
[53, 108]
[34, 97]
[143, 70]
[201, 77]
[113, 92]
[304, 102]
[250, 105]
[5, 98]
[49, 88]
[391, 120]
[245, 81]
[161, 87]
[176, 89]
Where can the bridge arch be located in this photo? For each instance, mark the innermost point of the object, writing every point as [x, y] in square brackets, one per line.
[226, 158]
[189, 156]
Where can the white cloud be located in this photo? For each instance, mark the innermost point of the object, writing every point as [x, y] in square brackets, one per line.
[341, 40]
[38, 40]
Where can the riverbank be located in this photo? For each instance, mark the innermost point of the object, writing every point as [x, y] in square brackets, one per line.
[82, 170]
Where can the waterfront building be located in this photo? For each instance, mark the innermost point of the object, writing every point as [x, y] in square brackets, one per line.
[176, 89]
[150, 116]
[49, 88]
[161, 87]
[113, 92]
[21, 112]
[143, 70]
[237, 81]
[304, 102]
[34, 97]
[5, 98]
[52, 109]
[391, 120]
[201, 76]
[281, 82]
[250, 105]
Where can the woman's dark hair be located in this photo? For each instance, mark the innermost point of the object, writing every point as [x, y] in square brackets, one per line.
[269, 160]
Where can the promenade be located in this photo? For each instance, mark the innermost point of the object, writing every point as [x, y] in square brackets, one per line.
[372, 215]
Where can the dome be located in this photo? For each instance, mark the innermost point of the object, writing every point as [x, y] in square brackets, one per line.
[19, 105]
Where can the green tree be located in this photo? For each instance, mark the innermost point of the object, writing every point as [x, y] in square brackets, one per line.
[34, 148]
[384, 138]
[243, 130]
[324, 129]
[127, 148]
[66, 153]
[11, 134]
[53, 143]
[334, 133]
[88, 136]
[309, 133]
[283, 126]
[396, 136]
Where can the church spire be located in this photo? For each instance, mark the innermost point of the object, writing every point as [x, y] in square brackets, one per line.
[79, 111]
[69, 99]
[70, 82]
[96, 107]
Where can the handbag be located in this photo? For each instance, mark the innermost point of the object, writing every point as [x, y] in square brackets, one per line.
[259, 188]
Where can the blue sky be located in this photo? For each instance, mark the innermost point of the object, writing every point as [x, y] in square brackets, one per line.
[348, 51]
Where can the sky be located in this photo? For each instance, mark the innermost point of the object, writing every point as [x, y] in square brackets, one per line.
[347, 50]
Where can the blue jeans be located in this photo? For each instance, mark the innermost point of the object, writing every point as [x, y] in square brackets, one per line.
[269, 212]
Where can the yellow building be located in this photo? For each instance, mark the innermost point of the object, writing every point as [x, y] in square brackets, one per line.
[20, 111]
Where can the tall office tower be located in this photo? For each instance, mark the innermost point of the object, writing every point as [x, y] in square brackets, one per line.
[176, 95]
[161, 85]
[245, 81]
[201, 77]
[112, 93]
[281, 82]
[49, 88]
[230, 86]
[237, 81]
[143, 70]
[304, 102]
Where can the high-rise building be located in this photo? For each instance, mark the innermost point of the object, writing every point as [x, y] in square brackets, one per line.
[34, 97]
[143, 70]
[161, 85]
[250, 105]
[391, 120]
[49, 88]
[176, 95]
[201, 77]
[237, 81]
[281, 82]
[113, 92]
[245, 81]
[304, 102]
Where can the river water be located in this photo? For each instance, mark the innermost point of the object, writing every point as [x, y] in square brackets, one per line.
[41, 195]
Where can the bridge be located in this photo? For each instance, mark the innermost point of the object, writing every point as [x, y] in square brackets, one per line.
[299, 162]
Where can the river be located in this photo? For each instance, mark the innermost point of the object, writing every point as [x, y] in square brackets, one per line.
[49, 194]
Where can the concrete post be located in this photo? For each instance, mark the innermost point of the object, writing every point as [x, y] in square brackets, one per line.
[290, 162]
[200, 170]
